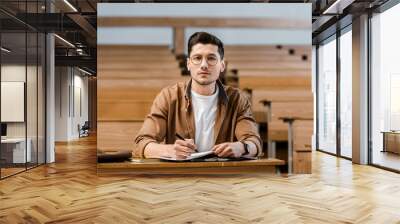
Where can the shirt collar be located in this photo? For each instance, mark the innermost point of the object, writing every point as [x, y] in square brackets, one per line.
[222, 93]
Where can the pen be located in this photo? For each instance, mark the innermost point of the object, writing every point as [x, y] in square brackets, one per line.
[181, 138]
[178, 136]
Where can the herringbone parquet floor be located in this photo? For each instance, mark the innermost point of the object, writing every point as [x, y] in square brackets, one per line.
[69, 191]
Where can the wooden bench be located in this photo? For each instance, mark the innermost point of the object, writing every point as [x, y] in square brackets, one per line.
[283, 72]
[282, 76]
[265, 65]
[271, 49]
[274, 82]
[298, 135]
[299, 149]
[129, 78]
[276, 130]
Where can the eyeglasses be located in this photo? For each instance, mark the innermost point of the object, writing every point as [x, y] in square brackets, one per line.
[210, 59]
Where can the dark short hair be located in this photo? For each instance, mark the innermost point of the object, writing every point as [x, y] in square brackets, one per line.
[205, 38]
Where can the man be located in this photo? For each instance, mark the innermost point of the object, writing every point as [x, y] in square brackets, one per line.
[200, 114]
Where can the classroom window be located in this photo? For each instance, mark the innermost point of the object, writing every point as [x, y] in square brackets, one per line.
[385, 89]
[327, 96]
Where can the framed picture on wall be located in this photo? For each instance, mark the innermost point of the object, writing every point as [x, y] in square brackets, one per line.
[12, 101]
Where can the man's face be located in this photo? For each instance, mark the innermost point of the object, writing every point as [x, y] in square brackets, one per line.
[205, 63]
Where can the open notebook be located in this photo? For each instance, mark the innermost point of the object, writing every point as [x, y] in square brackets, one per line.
[191, 157]
[204, 156]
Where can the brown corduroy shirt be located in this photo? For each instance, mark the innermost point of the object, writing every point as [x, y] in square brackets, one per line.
[172, 113]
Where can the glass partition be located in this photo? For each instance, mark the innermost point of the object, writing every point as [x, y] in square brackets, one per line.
[31, 100]
[13, 96]
[22, 88]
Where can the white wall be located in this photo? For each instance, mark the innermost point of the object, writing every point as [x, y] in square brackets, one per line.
[230, 36]
[33, 125]
[79, 117]
[70, 81]
[12, 101]
[15, 73]
[62, 81]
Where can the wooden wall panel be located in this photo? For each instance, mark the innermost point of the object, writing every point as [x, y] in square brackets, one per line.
[117, 135]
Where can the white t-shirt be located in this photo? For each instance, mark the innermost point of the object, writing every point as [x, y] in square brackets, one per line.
[205, 111]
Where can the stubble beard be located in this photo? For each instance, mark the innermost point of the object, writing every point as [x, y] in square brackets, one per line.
[204, 83]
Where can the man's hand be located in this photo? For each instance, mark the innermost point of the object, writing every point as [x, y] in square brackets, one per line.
[229, 149]
[181, 149]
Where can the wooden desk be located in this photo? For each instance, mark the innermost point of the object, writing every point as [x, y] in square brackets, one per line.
[156, 166]
[391, 141]
[14, 150]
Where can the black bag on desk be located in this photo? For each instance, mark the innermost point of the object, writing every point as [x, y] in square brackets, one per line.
[110, 156]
